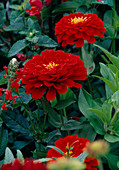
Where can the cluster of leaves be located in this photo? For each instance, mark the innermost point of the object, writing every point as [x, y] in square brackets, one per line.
[92, 112]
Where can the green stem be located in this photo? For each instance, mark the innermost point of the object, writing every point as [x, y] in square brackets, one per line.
[80, 53]
[114, 117]
[62, 119]
[27, 111]
[44, 123]
[90, 88]
[101, 166]
[113, 24]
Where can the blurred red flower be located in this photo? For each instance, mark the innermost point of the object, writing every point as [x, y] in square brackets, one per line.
[47, 2]
[21, 56]
[73, 146]
[1, 89]
[36, 7]
[77, 27]
[53, 72]
[28, 164]
[4, 107]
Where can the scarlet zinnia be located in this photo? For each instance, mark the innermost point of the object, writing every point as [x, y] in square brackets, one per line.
[28, 164]
[52, 72]
[73, 146]
[36, 7]
[75, 28]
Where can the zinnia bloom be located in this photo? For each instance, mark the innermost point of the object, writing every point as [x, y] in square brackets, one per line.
[28, 164]
[73, 146]
[75, 28]
[36, 7]
[52, 72]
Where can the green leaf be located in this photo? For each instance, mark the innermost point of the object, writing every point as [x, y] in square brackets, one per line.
[46, 41]
[9, 157]
[107, 74]
[3, 140]
[66, 6]
[86, 127]
[18, 25]
[52, 135]
[100, 114]
[115, 98]
[17, 47]
[15, 121]
[3, 81]
[82, 156]
[112, 161]
[54, 118]
[85, 102]
[44, 159]
[64, 103]
[109, 83]
[88, 60]
[111, 138]
[57, 149]
[112, 58]
[20, 156]
[71, 125]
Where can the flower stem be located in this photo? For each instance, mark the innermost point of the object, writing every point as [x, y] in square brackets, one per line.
[27, 111]
[113, 24]
[114, 117]
[101, 166]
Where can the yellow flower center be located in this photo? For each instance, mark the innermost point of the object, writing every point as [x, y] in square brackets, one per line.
[77, 20]
[68, 153]
[50, 66]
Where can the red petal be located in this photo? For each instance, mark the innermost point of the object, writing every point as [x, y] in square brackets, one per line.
[91, 40]
[51, 94]
[79, 43]
[38, 93]
[62, 90]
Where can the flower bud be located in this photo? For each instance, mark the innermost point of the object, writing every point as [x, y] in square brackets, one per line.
[30, 34]
[98, 148]
[66, 163]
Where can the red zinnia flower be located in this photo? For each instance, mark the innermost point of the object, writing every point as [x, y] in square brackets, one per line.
[53, 71]
[15, 84]
[73, 146]
[36, 7]
[75, 28]
[28, 164]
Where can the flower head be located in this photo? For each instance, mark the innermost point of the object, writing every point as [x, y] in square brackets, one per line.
[28, 164]
[53, 72]
[98, 148]
[36, 7]
[4, 107]
[66, 163]
[77, 27]
[8, 96]
[73, 146]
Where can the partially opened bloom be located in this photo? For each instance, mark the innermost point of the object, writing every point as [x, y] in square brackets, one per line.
[8, 96]
[4, 107]
[1, 89]
[28, 164]
[21, 56]
[52, 72]
[36, 7]
[73, 146]
[77, 27]
[47, 2]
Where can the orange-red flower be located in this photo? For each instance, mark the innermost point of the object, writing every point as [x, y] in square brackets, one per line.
[36, 7]
[73, 146]
[52, 72]
[28, 164]
[77, 27]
